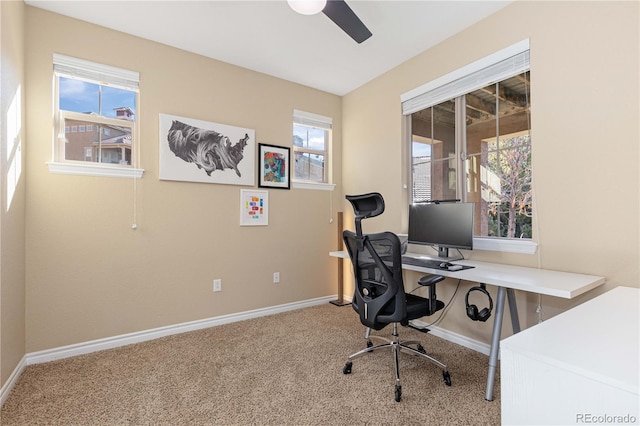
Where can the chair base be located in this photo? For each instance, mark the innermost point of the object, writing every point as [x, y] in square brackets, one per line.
[396, 347]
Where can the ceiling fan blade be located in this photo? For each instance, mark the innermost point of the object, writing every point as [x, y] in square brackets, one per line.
[340, 13]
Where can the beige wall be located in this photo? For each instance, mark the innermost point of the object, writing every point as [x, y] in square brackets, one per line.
[89, 276]
[585, 133]
[12, 212]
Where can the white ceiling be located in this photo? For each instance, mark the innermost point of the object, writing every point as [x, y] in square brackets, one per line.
[268, 37]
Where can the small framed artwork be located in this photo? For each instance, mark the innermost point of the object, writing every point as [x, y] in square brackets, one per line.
[254, 207]
[274, 167]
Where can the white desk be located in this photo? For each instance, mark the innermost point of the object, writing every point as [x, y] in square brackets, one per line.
[579, 365]
[509, 278]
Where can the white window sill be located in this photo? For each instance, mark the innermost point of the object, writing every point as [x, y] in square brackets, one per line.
[94, 170]
[313, 185]
[505, 245]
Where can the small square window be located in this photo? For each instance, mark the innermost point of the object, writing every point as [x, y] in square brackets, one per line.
[311, 142]
[96, 115]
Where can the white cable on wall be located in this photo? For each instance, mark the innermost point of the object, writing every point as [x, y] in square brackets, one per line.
[134, 225]
[534, 202]
[331, 205]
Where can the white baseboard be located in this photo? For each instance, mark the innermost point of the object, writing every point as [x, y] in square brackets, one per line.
[17, 372]
[456, 338]
[142, 336]
[145, 335]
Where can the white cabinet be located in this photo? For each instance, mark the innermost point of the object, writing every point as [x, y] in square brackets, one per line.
[580, 367]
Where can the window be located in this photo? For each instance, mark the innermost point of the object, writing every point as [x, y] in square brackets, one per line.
[103, 100]
[471, 140]
[311, 146]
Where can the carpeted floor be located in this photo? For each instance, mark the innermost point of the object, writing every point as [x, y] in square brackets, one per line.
[284, 369]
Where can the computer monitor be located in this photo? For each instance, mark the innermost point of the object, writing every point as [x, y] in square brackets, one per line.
[442, 225]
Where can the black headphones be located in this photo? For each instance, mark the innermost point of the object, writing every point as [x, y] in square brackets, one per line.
[472, 310]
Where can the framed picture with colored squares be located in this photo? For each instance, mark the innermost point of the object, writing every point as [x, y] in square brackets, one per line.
[254, 207]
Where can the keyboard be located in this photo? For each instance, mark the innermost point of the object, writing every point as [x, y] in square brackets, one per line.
[425, 263]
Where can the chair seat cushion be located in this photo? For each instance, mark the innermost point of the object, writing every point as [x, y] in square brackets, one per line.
[418, 307]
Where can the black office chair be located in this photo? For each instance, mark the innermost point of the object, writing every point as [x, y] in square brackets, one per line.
[379, 296]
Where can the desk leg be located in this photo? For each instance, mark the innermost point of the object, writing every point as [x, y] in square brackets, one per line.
[513, 310]
[495, 344]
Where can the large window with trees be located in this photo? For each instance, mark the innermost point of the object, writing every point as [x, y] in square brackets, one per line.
[471, 140]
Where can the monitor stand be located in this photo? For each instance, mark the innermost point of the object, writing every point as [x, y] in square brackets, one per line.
[443, 253]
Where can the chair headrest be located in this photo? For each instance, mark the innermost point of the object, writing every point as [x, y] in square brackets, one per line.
[367, 205]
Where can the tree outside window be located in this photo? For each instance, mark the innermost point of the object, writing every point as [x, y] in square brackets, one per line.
[477, 148]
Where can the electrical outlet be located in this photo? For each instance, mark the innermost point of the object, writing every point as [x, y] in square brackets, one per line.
[276, 277]
[217, 285]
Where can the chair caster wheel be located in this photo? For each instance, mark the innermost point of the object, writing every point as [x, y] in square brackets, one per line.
[447, 378]
[347, 368]
[421, 349]
[398, 393]
[369, 343]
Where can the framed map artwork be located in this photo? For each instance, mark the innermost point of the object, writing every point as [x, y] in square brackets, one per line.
[201, 151]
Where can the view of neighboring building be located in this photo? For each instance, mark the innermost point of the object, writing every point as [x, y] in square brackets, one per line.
[100, 143]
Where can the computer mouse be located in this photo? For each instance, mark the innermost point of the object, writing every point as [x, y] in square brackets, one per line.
[445, 264]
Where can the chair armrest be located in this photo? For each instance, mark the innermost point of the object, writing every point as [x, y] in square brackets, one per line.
[430, 279]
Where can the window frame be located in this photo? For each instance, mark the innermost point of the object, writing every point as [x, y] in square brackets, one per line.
[317, 121]
[105, 75]
[499, 66]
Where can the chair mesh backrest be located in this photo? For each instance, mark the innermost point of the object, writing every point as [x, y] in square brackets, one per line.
[379, 295]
